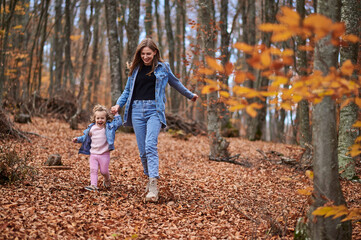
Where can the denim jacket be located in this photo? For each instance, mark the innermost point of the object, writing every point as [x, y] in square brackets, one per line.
[110, 128]
[163, 75]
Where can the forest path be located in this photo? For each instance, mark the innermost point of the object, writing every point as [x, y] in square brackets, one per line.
[199, 199]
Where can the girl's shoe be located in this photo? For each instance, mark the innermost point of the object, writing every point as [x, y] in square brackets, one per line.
[107, 183]
[91, 188]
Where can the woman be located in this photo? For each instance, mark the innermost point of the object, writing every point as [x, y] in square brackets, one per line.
[144, 96]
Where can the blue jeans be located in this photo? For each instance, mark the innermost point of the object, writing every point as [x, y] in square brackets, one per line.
[146, 125]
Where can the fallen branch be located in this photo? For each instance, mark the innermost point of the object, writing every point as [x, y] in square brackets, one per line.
[58, 167]
[232, 160]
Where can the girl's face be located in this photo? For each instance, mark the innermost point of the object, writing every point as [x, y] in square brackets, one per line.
[147, 55]
[100, 118]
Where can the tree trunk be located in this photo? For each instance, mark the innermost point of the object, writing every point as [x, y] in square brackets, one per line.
[68, 66]
[159, 27]
[5, 26]
[58, 46]
[303, 121]
[121, 26]
[133, 28]
[148, 19]
[350, 15]
[114, 46]
[218, 145]
[325, 166]
[257, 125]
[94, 59]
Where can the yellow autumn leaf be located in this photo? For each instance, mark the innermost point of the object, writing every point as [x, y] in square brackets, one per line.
[286, 106]
[296, 98]
[306, 191]
[224, 94]
[256, 105]
[265, 59]
[206, 71]
[275, 51]
[353, 215]
[355, 150]
[278, 80]
[346, 102]
[250, 110]
[18, 27]
[309, 174]
[347, 68]
[320, 211]
[358, 139]
[287, 52]
[209, 88]
[244, 47]
[357, 124]
[213, 63]
[236, 107]
[75, 37]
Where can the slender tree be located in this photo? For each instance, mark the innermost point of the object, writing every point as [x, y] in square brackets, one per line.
[68, 66]
[114, 46]
[350, 15]
[58, 45]
[148, 19]
[133, 28]
[326, 181]
[159, 27]
[218, 145]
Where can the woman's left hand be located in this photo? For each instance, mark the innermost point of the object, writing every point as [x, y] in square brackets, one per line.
[194, 98]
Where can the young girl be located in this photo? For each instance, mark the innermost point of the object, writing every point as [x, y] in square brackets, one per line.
[98, 141]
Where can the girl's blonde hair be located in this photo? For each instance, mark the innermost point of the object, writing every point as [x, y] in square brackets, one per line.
[101, 108]
[137, 60]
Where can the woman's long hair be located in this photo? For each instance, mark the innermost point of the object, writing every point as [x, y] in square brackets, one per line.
[137, 60]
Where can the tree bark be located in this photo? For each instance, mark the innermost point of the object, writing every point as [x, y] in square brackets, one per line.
[148, 19]
[133, 28]
[218, 145]
[68, 66]
[114, 46]
[325, 165]
[58, 46]
[5, 26]
[350, 15]
[159, 27]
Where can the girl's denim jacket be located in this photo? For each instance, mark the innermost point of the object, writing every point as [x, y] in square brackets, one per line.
[163, 75]
[110, 128]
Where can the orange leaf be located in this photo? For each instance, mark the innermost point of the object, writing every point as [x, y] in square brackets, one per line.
[358, 102]
[240, 77]
[266, 59]
[224, 94]
[244, 47]
[306, 191]
[346, 102]
[289, 17]
[305, 48]
[347, 68]
[351, 38]
[206, 71]
[229, 68]
[209, 88]
[355, 150]
[286, 106]
[251, 111]
[271, 27]
[357, 124]
[212, 62]
[281, 36]
[309, 174]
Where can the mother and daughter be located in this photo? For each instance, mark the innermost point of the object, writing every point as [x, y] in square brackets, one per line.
[144, 100]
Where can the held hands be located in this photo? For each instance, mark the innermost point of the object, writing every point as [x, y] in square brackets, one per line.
[114, 109]
[194, 98]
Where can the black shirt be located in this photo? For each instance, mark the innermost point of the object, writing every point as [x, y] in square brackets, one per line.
[144, 88]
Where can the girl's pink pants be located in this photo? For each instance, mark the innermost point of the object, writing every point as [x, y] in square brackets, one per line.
[99, 161]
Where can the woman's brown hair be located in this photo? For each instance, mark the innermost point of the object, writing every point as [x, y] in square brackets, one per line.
[137, 60]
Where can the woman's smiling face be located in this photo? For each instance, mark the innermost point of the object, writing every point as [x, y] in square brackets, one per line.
[147, 55]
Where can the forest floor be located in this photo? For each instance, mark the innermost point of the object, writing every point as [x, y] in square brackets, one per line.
[199, 199]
